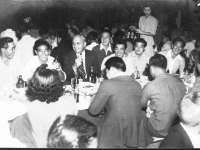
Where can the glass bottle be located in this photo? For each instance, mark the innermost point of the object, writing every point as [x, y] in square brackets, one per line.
[20, 82]
[73, 80]
[137, 73]
[76, 90]
[91, 74]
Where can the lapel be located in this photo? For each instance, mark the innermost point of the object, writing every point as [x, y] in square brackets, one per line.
[184, 136]
[87, 61]
[72, 56]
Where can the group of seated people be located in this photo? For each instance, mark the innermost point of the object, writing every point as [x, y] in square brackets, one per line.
[132, 116]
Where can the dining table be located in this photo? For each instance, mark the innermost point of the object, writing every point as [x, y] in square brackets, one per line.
[86, 92]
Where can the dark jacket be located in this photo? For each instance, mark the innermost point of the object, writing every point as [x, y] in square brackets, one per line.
[101, 53]
[177, 139]
[90, 60]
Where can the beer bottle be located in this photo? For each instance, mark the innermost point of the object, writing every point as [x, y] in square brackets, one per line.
[20, 82]
[91, 74]
[76, 94]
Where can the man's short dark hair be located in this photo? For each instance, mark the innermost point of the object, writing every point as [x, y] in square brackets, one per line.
[23, 28]
[120, 41]
[74, 31]
[115, 62]
[4, 42]
[106, 31]
[141, 40]
[92, 36]
[39, 43]
[58, 133]
[118, 35]
[179, 40]
[158, 60]
[90, 23]
[43, 30]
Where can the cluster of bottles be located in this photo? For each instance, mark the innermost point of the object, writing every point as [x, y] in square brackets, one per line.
[92, 78]
[20, 83]
[136, 73]
[132, 35]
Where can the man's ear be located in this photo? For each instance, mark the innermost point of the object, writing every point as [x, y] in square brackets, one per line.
[172, 46]
[85, 44]
[3, 50]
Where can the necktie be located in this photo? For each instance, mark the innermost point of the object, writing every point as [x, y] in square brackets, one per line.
[81, 70]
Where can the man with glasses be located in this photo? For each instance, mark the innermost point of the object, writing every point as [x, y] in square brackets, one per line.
[80, 60]
[10, 65]
[42, 50]
[175, 62]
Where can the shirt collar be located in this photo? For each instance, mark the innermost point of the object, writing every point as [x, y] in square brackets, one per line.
[109, 47]
[83, 53]
[170, 56]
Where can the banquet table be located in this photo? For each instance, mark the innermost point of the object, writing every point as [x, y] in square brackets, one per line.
[86, 93]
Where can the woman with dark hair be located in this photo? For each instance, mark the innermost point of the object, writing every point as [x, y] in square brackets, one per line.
[45, 93]
[42, 51]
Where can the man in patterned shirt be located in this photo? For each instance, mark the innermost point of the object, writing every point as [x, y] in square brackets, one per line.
[10, 65]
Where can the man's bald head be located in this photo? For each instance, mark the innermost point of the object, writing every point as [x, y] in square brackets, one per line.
[78, 43]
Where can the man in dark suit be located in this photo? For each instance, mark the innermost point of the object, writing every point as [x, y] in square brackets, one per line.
[186, 134]
[105, 48]
[120, 126]
[73, 60]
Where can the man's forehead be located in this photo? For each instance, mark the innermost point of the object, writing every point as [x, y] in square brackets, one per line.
[105, 34]
[139, 43]
[11, 44]
[178, 43]
[120, 46]
[78, 39]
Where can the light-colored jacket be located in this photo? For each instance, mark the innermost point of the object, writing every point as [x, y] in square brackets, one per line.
[179, 63]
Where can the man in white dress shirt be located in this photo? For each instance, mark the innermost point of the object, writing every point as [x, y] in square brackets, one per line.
[42, 49]
[10, 64]
[24, 47]
[139, 58]
[119, 49]
[175, 62]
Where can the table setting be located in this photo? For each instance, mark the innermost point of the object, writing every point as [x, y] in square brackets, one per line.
[84, 92]
[188, 80]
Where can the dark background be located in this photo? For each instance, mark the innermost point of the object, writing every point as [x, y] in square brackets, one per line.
[58, 12]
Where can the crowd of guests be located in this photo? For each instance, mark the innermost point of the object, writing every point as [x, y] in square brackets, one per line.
[159, 115]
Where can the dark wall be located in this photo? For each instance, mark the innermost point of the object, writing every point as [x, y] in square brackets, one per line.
[58, 12]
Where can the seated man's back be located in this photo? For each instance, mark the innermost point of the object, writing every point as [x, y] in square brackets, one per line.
[164, 94]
